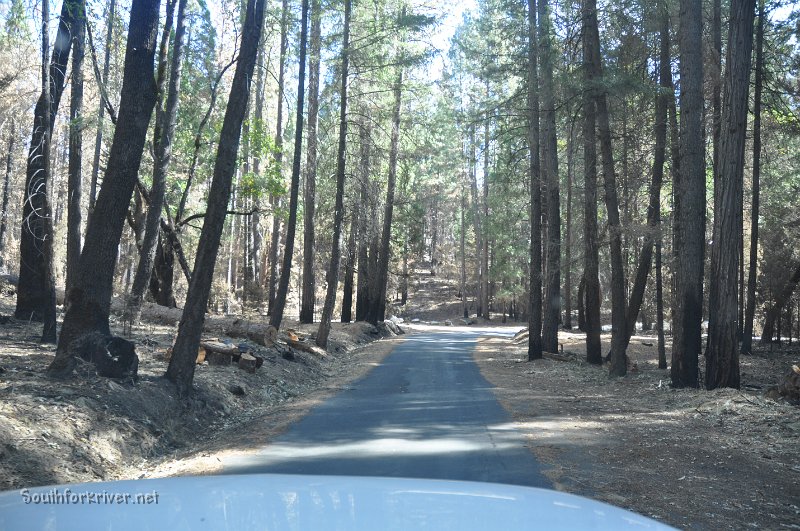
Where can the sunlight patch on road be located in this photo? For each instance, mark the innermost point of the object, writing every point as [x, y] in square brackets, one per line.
[381, 447]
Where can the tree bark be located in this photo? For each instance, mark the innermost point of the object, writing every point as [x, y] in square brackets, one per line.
[184, 352]
[747, 334]
[88, 302]
[568, 237]
[276, 221]
[33, 294]
[308, 291]
[535, 178]
[378, 306]
[485, 296]
[549, 147]
[362, 291]
[164, 133]
[462, 248]
[291, 226]
[338, 213]
[690, 190]
[591, 253]
[618, 358]
[75, 177]
[722, 354]
[476, 214]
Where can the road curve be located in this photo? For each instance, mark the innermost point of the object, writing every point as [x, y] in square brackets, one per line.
[425, 412]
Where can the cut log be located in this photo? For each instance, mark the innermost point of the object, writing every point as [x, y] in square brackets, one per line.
[307, 347]
[221, 348]
[522, 334]
[248, 363]
[556, 357]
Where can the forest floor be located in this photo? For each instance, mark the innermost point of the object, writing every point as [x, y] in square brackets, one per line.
[695, 459]
[88, 428]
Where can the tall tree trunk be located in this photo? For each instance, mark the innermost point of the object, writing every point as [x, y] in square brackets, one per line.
[338, 212]
[49, 288]
[184, 352]
[33, 294]
[690, 190]
[12, 134]
[476, 215]
[654, 204]
[166, 121]
[75, 177]
[485, 207]
[276, 221]
[722, 354]
[568, 238]
[378, 306]
[618, 304]
[308, 291]
[535, 178]
[747, 334]
[549, 147]
[362, 291]
[462, 248]
[89, 301]
[101, 111]
[591, 254]
[286, 270]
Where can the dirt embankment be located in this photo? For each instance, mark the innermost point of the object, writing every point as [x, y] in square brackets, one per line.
[89, 428]
[696, 459]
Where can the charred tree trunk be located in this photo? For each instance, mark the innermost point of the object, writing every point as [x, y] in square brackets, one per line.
[89, 301]
[33, 294]
[291, 226]
[308, 292]
[162, 141]
[184, 353]
[591, 277]
[338, 215]
[689, 216]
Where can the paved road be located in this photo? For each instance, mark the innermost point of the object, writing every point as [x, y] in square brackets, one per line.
[425, 412]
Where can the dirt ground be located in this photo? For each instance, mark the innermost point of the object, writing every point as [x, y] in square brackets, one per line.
[695, 459]
[89, 428]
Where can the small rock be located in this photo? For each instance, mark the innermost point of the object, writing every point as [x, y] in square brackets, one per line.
[236, 390]
[448, 323]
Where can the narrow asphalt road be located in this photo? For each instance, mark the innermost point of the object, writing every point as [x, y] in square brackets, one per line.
[425, 412]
